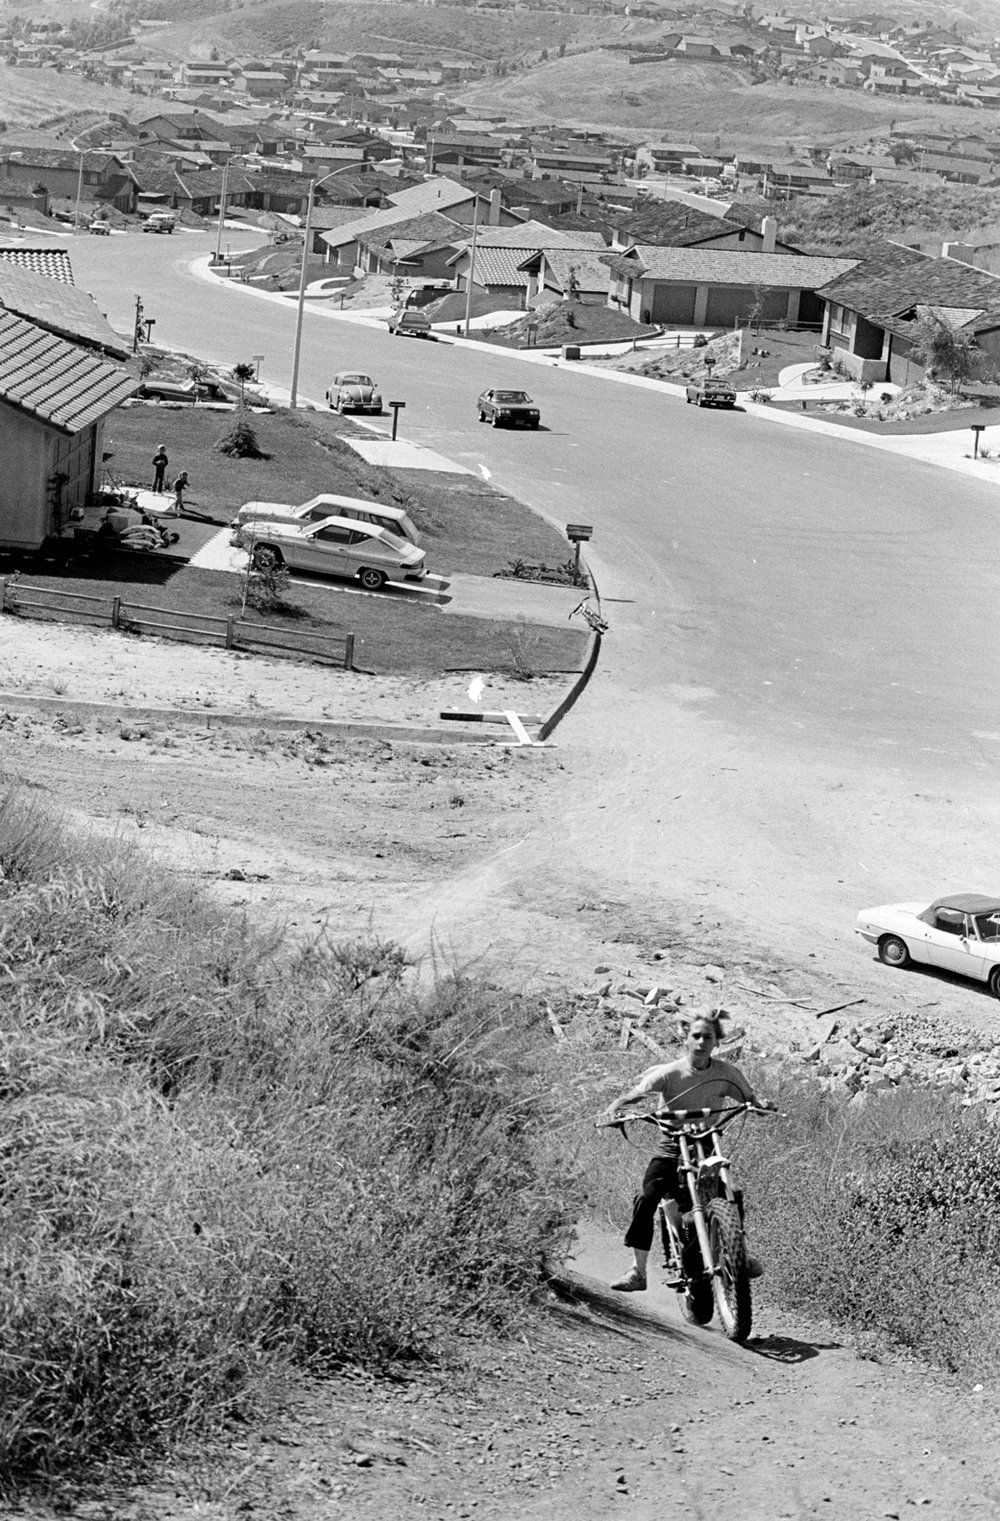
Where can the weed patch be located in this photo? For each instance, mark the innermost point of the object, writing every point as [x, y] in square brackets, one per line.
[223, 1152]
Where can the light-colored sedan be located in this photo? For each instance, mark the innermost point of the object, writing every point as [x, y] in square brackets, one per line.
[339, 547]
[960, 932]
[329, 506]
[354, 392]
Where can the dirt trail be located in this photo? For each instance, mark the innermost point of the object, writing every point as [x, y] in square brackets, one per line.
[534, 867]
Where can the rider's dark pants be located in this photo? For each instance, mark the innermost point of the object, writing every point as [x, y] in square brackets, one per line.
[660, 1181]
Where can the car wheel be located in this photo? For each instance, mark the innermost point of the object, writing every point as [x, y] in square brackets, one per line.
[482, 415]
[372, 579]
[893, 951]
[535, 426]
[494, 421]
[995, 982]
[266, 557]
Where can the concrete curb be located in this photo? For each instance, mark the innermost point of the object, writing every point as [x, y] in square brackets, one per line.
[582, 682]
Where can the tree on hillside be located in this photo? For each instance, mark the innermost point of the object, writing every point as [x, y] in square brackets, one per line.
[943, 350]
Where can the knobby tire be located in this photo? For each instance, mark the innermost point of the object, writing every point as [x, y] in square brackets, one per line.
[732, 1282]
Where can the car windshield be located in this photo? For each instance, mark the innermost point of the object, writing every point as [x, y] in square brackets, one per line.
[512, 396]
[355, 380]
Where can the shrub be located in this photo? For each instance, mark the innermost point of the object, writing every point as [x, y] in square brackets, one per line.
[240, 440]
[222, 1150]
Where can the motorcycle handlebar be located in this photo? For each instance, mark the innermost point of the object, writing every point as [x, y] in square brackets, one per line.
[677, 1119]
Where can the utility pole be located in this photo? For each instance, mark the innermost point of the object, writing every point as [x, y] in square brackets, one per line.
[79, 192]
[222, 209]
[137, 330]
[472, 266]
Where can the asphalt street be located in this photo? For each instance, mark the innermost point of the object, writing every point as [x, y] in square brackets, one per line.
[809, 583]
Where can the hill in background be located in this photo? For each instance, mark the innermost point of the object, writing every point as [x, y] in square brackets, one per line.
[857, 220]
[700, 101]
[440, 30]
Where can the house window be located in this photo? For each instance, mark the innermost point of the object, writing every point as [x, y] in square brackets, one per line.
[840, 322]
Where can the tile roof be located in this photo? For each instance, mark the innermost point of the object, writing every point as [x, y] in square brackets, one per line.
[432, 227]
[57, 306]
[529, 235]
[431, 195]
[39, 259]
[895, 280]
[591, 273]
[672, 224]
[499, 266]
[724, 266]
[55, 381]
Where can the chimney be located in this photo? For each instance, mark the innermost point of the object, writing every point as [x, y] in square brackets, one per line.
[494, 218]
[769, 233]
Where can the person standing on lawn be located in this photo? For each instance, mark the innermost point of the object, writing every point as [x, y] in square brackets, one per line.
[180, 486]
[160, 463]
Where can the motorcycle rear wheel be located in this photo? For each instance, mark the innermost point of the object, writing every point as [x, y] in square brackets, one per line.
[698, 1302]
[732, 1281]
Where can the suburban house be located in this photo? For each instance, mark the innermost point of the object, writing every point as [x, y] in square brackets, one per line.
[500, 254]
[418, 248]
[709, 287]
[672, 224]
[566, 273]
[457, 202]
[94, 175]
[871, 309]
[55, 393]
[663, 158]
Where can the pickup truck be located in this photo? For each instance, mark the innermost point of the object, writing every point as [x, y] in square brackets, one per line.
[710, 392]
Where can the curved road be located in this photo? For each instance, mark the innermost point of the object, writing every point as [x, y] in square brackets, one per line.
[802, 626]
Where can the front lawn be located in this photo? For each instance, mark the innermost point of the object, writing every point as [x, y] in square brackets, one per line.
[465, 526]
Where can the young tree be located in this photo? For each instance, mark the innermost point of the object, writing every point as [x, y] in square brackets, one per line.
[944, 350]
[243, 372]
[240, 441]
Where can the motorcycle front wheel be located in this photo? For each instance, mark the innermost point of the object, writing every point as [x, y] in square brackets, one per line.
[732, 1280]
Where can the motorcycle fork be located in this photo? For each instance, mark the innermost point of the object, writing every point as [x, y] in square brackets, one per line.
[690, 1157]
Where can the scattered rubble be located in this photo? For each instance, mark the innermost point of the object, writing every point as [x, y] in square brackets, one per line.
[626, 1006]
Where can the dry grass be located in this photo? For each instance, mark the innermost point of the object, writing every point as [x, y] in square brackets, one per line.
[222, 1152]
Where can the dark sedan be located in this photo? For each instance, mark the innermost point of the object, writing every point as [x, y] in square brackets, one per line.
[508, 409]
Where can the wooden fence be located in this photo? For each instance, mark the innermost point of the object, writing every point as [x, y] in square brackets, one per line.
[17, 596]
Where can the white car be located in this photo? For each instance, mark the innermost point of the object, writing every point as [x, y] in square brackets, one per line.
[960, 933]
[329, 506]
[354, 392]
[339, 547]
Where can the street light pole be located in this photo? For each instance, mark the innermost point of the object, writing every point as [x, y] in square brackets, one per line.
[222, 208]
[79, 192]
[300, 309]
[472, 266]
[293, 400]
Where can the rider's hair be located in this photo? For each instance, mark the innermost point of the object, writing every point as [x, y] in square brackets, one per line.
[713, 1020]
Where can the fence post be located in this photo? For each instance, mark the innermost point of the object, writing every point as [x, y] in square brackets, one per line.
[116, 611]
[230, 632]
[3, 594]
[349, 652]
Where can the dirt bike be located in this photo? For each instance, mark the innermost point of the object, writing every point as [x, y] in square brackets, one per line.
[706, 1259]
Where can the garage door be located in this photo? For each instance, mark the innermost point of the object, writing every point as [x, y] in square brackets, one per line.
[673, 305]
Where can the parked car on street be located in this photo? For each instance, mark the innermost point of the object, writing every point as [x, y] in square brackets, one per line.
[394, 519]
[160, 221]
[508, 409]
[710, 393]
[339, 547]
[353, 392]
[100, 229]
[409, 323]
[960, 932]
